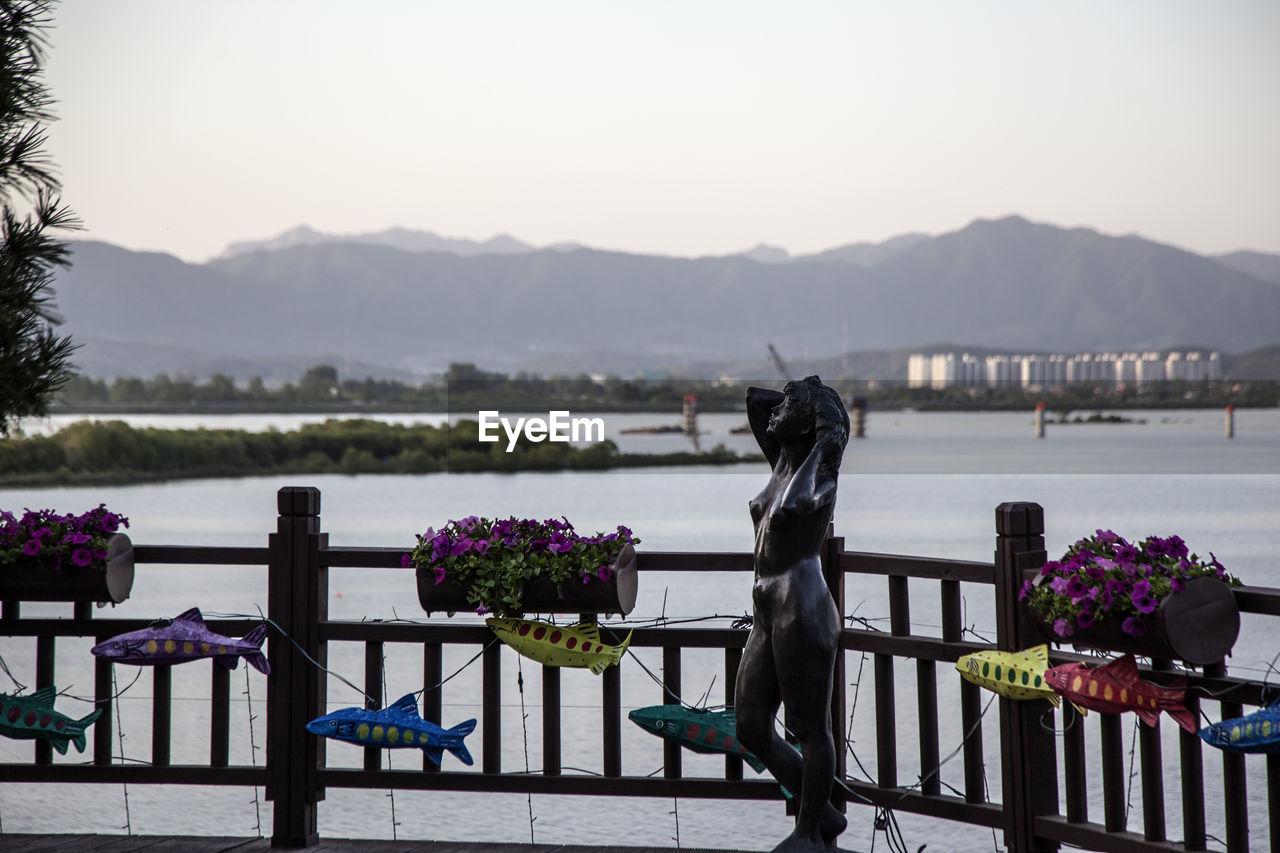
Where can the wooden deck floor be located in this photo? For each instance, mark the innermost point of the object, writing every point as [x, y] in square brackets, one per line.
[203, 844]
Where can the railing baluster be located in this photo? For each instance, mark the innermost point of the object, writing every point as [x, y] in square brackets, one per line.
[970, 697]
[102, 700]
[611, 724]
[1235, 790]
[927, 702]
[46, 654]
[373, 689]
[219, 716]
[551, 720]
[1191, 761]
[671, 696]
[886, 724]
[491, 697]
[1075, 774]
[432, 697]
[161, 714]
[887, 739]
[1152, 782]
[732, 660]
[1113, 796]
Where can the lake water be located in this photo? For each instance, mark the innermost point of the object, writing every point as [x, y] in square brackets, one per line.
[921, 483]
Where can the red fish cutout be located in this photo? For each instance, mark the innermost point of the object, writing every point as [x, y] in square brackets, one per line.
[1115, 688]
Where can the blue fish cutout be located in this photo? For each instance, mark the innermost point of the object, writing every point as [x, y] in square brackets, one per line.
[1258, 732]
[396, 726]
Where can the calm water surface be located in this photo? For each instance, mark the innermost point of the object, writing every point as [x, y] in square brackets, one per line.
[920, 484]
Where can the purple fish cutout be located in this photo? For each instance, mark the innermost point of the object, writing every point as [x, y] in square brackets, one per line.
[184, 638]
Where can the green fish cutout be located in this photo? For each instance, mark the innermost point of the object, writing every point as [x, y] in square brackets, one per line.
[32, 718]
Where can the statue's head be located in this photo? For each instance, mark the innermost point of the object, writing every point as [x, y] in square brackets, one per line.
[813, 410]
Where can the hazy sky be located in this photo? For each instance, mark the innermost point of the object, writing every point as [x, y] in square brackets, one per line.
[683, 128]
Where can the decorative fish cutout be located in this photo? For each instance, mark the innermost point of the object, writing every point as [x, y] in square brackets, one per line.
[1115, 688]
[185, 638]
[32, 717]
[397, 725]
[1258, 732]
[1016, 675]
[577, 645]
[696, 729]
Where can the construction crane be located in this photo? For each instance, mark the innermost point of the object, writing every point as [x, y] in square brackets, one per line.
[777, 360]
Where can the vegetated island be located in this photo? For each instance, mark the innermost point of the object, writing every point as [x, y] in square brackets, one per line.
[91, 452]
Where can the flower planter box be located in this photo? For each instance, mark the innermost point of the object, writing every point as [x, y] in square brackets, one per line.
[1198, 625]
[33, 579]
[616, 595]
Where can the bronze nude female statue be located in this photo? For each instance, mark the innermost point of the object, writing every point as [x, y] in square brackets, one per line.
[795, 632]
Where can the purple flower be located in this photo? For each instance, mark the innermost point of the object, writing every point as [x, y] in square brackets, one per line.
[1027, 588]
[82, 556]
[1106, 536]
[481, 610]
[440, 573]
[480, 546]
[1133, 626]
[603, 573]
[1063, 628]
[31, 547]
[1049, 568]
[1177, 548]
[1085, 619]
[1058, 585]
[1076, 589]
[462, 546]
[1177, 583]
[406, 560]
[1126, 553]
[1156, 547]
[1142, 597]
[586, 577]
[42, 533]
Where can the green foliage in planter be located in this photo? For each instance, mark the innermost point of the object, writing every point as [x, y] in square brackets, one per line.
[494, 559]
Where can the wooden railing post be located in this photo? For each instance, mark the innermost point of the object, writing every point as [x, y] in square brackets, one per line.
[297, 602]
[1029, 760]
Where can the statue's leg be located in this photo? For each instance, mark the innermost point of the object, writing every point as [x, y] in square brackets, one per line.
[804, 659]
[756, 701]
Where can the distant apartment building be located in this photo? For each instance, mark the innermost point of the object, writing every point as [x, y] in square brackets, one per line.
[945, 370]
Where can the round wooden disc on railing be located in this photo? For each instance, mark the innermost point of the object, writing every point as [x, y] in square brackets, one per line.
[615, 595]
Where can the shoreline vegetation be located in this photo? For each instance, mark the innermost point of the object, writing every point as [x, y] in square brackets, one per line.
[96, 452]
[465, 389]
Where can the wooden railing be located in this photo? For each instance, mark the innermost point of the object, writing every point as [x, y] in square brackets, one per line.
[1030, 810]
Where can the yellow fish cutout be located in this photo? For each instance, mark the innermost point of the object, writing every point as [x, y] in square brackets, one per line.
[1014, 675]
[576, 645]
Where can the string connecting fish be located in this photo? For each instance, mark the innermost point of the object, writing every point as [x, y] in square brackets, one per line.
[397, 725]
[32, 717]
[1115, 688]
[575, 646]
[185, 638]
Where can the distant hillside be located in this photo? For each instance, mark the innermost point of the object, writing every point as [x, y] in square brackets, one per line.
[1007, 284]
[403, 239]
[868, 254]
[1256, 264]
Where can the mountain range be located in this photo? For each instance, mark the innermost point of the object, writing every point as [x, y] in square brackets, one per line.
[402, 303]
